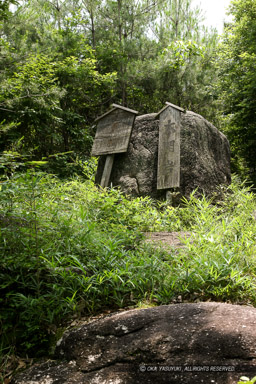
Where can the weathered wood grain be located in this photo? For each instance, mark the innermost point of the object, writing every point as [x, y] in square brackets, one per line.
[105, 114]
[125, 108]
[168, 173]
[169, 105]
[175, 107]
[107, 171]
[113, 133]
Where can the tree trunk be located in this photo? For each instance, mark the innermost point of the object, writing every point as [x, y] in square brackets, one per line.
[93, 29]
[119, 4]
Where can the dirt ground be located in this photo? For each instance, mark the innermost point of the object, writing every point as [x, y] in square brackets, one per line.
[169, 239]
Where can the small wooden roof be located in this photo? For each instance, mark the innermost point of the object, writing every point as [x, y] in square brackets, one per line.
[114, 107]
[170, 105]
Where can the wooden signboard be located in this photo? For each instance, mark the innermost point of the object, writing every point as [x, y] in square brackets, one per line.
[168, 172]
[113, 134]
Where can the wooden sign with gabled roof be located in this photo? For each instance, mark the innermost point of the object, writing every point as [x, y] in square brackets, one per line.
[168, 171]
[113, 134]
[113, 131]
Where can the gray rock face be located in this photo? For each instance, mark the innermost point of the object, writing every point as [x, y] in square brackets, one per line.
[183, 343]
[205, 158]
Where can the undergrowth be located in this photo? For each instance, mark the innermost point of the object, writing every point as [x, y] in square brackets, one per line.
[69, 249]
[247, 380]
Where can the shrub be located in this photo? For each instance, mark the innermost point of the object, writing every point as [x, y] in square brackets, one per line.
[70, 249]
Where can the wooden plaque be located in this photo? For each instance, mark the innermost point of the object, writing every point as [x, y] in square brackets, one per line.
[168, 174]
[113, 132]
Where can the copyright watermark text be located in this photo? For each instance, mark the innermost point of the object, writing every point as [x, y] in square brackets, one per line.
[186, 368]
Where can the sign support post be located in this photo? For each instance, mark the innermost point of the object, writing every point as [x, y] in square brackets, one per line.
[107, 171]
[113, 134]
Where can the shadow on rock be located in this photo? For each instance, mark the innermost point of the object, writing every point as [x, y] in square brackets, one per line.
[183, 343]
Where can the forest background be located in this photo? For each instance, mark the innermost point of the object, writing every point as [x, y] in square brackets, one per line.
[69, 249]
[63, 63]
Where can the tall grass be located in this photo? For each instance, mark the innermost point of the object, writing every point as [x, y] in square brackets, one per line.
[69, 249]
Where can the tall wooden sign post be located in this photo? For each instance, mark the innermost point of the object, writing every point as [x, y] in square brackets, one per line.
[168, 172]
[113, 134]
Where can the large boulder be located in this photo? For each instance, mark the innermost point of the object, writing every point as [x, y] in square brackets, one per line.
[204, 162]
[181, 343]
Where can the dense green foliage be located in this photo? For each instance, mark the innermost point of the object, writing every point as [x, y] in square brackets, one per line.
[237, 85]
[44, 105]
[246, 380]
[63, 63]
[69, 249]
[4, 8]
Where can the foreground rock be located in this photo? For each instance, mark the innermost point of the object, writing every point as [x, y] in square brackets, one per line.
[183, 343]
[205, 158]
